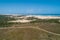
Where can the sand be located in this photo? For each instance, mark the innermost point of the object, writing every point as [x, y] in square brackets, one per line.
[44, 17]
[24, 20]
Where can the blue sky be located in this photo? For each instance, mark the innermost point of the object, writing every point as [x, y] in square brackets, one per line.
[29, 6]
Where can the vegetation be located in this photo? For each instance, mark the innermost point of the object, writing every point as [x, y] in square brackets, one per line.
[51, 25]
[31, 18]
[26, 34]
[4, 21]
[46, 20]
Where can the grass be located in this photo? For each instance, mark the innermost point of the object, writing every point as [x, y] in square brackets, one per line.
[29, 33]
[47, 20]
[26, 34]
[51, 25]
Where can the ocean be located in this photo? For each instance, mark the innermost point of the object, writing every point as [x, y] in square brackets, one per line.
[44, 14]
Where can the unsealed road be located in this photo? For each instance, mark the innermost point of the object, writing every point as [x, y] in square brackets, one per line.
[32, 27]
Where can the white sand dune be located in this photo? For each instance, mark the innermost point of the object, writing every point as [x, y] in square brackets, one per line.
[44, 17]
[22, 21]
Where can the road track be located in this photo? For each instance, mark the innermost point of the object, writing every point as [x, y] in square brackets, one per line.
[31, 27]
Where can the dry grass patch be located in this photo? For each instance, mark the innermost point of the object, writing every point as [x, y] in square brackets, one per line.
[26, 34]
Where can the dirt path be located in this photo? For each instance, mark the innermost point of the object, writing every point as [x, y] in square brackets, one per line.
[31, 27]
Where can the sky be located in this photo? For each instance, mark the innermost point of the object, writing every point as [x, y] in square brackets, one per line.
[29, 6]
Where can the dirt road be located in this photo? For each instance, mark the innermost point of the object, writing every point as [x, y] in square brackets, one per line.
[31, 27]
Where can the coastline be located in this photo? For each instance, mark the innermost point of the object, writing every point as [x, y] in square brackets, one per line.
[44, 17]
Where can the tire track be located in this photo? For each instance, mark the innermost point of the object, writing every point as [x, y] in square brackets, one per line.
[31, 27]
